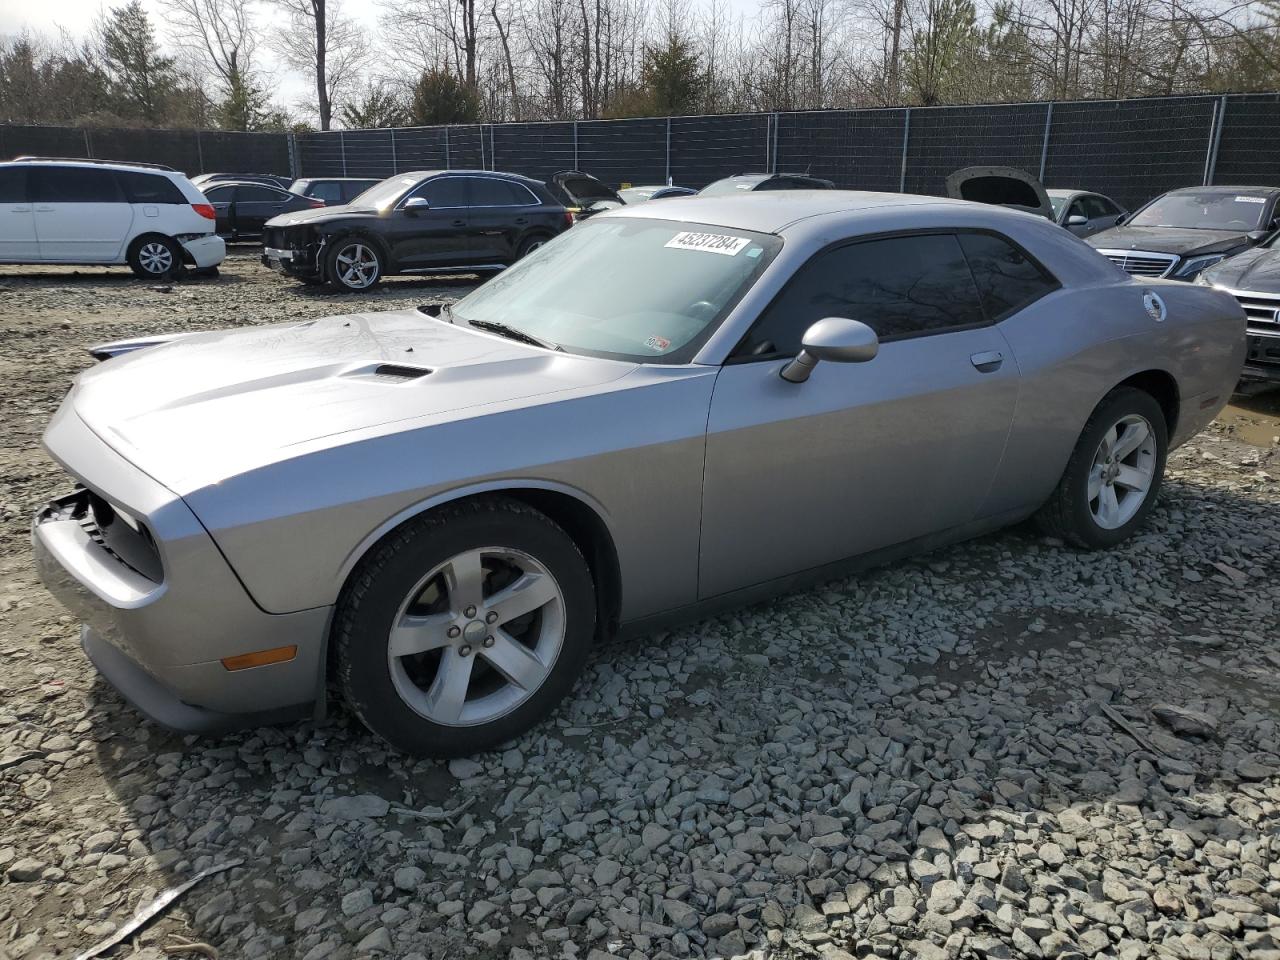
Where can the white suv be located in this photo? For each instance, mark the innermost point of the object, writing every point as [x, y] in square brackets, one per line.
[55, 210]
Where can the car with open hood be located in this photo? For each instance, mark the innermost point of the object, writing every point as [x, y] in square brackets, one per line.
[430, 221]
[439, 511]
[582, 194]
[1253, 278]
[1182, 232]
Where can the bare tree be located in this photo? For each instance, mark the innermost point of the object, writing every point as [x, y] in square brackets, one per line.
[323, 42]
[217, 36]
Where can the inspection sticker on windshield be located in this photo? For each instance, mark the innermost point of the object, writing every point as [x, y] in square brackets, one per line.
[1251, 199]
[708, 243]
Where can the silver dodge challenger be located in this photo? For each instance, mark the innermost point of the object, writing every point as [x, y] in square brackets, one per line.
[661, 412]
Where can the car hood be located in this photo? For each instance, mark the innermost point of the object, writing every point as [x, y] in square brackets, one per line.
[321, 215]
[1256, 270]
[202, 408]
[1179, 240]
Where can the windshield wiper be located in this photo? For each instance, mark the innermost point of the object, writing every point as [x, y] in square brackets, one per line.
[511, 333]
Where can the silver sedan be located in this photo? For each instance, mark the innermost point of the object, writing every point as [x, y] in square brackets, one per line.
[664, 410]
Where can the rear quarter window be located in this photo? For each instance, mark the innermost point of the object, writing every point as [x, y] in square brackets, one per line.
[149, 188]
[1008, 279]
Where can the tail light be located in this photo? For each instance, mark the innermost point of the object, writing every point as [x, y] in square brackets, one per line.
[205, 210]
[569, 219]
[315, 204]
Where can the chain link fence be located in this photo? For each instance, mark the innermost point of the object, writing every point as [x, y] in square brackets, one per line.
[191, 151]
[1131, 150]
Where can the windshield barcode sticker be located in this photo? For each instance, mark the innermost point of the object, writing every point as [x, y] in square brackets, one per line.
[1251, 199]
[708, 243]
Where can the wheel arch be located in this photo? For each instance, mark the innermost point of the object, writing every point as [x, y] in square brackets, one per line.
[582, 517]
[339, 234]
[1163, 388]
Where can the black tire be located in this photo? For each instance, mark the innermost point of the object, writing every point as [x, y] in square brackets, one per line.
[1068, 514]
[381, 583]
[530, 244]
[359, 249]
[147, 257]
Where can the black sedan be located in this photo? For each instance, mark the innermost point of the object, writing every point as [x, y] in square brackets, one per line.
[424, 222]
[242, 209]
[1253, 278]
[1182, 232]
[332, 190]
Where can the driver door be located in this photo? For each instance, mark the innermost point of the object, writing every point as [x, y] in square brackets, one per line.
[437, 236]
[862, 455]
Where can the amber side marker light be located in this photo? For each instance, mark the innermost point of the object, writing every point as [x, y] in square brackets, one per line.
[261, 658]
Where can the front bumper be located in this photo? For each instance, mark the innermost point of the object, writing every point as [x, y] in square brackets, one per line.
[161, 642]
[1262, 361]
[294, 263]
[206, 251]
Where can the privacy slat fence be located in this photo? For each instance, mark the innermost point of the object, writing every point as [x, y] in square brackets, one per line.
[1130, 149]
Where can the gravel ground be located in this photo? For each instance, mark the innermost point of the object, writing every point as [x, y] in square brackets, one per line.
[1003, 749]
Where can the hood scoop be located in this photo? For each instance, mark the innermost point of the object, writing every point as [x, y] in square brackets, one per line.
[398, 372]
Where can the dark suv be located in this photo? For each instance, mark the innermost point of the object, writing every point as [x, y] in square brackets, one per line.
[426, 222]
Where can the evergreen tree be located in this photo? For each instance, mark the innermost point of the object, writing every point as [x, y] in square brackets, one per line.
[440, 97]
[143, 80]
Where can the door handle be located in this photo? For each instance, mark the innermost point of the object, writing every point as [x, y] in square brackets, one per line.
[44, 209]
[459, 223]
[522, 220]
[19, 209]
[988, 361]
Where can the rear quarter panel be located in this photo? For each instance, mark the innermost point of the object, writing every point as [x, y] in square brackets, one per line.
[1076, 345]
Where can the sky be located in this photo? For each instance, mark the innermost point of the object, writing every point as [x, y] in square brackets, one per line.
[77, 17]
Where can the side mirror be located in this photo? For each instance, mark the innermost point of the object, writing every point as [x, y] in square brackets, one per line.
[1121, 219]
[416, 205]
[837, 339]
[1077, 220]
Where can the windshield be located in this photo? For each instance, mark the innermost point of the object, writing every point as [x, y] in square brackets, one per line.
[637, 194]
[730, 185]
[625, 287]
[1203, 211]
[385, 193]
[1057, 203]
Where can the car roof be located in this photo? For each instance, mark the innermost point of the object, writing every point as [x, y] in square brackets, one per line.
[1063, 192]
[340, 179]
[219, 184]
[88, 164]
[499, 174]
[772, 211]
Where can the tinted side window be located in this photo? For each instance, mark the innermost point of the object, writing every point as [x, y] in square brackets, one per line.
[75, 185]
[1098, 207]
[498, 193]
[1077, 210]
[330, 193]
[255, 194]
[445, 192]
[352, 190]
[149, 188]
[1007, 278]
[219, 194]
[13, 184]
[900, 287]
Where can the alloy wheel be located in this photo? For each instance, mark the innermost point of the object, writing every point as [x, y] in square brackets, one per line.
[1122, 471]
[156, 258]
[477, 636]
[357, 266]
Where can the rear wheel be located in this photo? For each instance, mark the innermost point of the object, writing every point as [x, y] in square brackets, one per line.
[465, 628]
[154, 257]
[1114, 474]
[529, 245]
[354, 264]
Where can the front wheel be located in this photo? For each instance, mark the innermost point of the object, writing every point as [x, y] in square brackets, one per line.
[529, 245]
[354, 264]
[1114, 474]
[464, 628]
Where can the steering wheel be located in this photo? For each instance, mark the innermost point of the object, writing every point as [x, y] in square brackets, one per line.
[702, 307]
[1243, 223]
